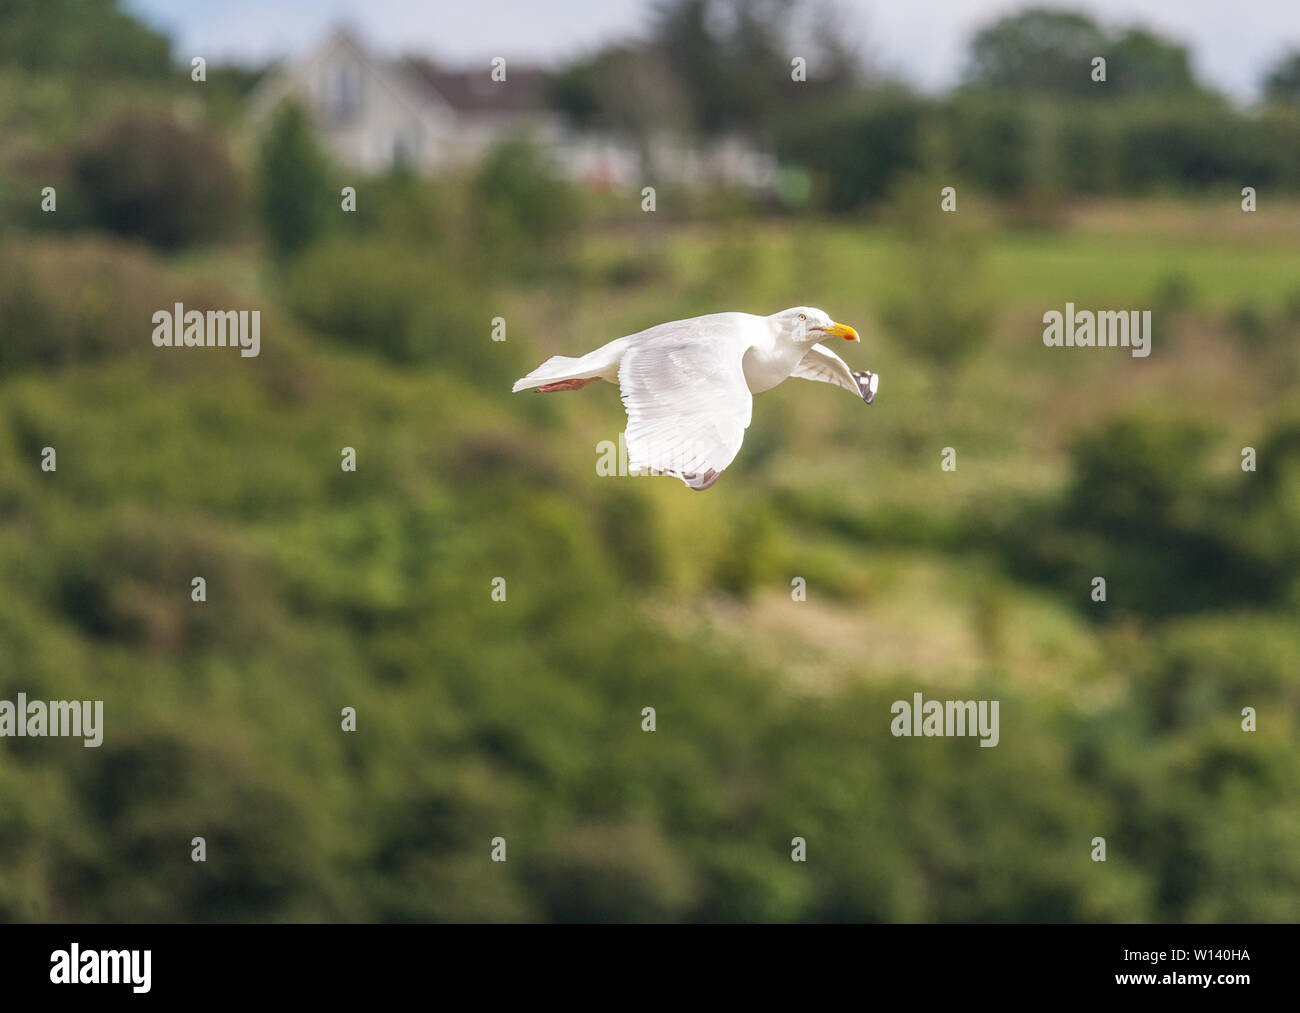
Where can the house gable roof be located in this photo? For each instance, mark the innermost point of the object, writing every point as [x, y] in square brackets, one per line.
[277, 86]
[475, 93]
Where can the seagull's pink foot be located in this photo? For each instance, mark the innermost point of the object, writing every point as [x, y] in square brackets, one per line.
[548, 388]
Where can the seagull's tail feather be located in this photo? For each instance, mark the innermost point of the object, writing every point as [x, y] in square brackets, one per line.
[559, 368]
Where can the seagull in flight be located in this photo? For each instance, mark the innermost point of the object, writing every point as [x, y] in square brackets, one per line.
[688, 385]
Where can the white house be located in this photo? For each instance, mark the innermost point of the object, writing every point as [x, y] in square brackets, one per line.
[371, 114]
[375, 114]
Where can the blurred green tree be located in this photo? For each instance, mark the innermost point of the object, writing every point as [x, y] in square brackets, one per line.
[1282, 82]
[295, 195]
[149, 175]
[945, 312]
[860, 147]
[732, 57]
[96, 38]
[1051, 51]
[1037, 50]
[523, 214]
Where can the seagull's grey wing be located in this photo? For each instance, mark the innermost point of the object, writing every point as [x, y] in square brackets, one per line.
[822, 364]
[688, 407]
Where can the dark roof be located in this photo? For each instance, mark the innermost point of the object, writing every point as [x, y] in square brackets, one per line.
[523, 90]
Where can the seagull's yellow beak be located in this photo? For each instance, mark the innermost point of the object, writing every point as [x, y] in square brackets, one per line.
[841, 331]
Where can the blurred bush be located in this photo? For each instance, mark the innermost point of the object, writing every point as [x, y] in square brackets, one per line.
[944, 312]
[151, 176]
[76, 300]
[406, 208]
[407, 303]
[96, 37]
[1175, 292]
[601, 873]
[1194, 146]
[857, 148]
[121, 585]
[1145, 510]
[860, 147]
[296, 200]
[523, 217]
[989, 144]
[367, 291]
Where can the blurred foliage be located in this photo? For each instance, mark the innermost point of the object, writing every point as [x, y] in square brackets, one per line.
[858, 148]
[1144, 509]
[83, 300]
[1041, 50]
[1035, 50]
[732, 58]
[295, 194]
[152, 176]
[1282, 82]
[522, 719]
[1008, 150]
[945, 311]
[523, 217]
[626, 88]
[408, 304]
[989, 143]
[369, 293]
[97, 37]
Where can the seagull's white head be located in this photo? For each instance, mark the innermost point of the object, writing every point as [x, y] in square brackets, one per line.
[807, 325]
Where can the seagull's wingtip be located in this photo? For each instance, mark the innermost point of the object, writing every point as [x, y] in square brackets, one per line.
[868, 383]
[701, 481]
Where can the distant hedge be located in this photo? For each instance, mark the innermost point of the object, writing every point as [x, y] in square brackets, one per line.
[151, 176]
[1008, 145]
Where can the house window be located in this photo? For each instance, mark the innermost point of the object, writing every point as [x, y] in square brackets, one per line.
[403, 152]
[342, 91]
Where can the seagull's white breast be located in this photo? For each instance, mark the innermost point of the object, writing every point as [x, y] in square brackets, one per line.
[769, 360]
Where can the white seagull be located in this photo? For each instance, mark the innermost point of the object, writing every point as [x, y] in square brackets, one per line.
[688, 385]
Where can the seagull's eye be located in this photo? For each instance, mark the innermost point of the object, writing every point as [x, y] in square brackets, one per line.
[803, 316]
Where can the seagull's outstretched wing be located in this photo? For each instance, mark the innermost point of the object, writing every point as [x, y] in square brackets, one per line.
[822, 364]
[688, 407]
